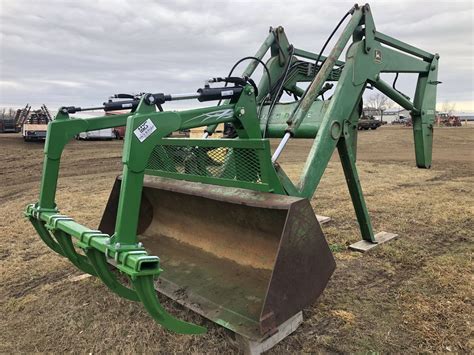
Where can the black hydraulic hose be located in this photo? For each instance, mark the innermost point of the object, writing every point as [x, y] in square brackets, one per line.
[395, 81]
[277, 94]
[253, 58]
[294, 65]
[249, 58]
[350, 12]
[393, 86]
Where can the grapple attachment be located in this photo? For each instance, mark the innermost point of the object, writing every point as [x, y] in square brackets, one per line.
[246, 260]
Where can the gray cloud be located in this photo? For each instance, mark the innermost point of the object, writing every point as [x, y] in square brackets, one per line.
[79, 52]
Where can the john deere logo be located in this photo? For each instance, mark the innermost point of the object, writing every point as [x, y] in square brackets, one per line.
[377, 56]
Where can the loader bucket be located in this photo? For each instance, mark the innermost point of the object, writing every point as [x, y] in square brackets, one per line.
[246, 260]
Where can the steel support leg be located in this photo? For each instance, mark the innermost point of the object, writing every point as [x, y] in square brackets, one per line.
[353, 183]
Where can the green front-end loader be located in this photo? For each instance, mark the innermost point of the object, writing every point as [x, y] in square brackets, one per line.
[216, 224]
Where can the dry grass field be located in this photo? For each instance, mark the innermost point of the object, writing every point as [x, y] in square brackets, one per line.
[413, 294]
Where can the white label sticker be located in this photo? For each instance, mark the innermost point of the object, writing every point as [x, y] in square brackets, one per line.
[144, 130]
[227, 93]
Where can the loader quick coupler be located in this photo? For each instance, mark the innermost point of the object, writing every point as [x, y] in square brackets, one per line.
[216, 224]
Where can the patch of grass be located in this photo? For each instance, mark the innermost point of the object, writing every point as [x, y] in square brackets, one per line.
[337, 248]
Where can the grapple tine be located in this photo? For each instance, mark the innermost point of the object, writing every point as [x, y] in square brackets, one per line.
[46, 236]
[80, 261]
[145, 289]
[98, 261]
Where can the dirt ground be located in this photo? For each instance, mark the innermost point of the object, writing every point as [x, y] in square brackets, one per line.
[413, 294]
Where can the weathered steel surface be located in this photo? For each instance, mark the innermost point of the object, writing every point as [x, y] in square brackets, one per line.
[302, 268]
[364, 245]
[244, 259]
[109, 218]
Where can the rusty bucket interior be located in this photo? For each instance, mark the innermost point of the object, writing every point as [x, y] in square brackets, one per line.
[246, 260]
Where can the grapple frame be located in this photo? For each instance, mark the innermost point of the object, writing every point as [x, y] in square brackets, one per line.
[332, 124]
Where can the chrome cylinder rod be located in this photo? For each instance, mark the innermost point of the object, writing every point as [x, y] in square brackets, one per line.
[280, 147]
[187, 96]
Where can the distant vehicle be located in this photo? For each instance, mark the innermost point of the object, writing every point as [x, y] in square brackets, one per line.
[101, 134]
[401, 120]
[35, 125]
[119, 132]
[369, 122]
[105, 134]
[34, 132]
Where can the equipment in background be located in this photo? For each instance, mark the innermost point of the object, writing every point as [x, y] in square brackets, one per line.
[100, 134]
[444, 119]
[119, 132]
[35, 124]
[216, 224]
[401, 120]
[12, 120]
[368, 119]
[23, 116]
[111, 108]
[8, 120]
[369, 122]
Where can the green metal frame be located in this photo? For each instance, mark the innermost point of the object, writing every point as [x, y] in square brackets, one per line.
[269, 181]
[332, 124]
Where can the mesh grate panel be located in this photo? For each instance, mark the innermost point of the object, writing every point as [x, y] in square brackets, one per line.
[240, 164]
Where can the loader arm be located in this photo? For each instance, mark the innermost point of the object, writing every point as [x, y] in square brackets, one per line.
[370, 54]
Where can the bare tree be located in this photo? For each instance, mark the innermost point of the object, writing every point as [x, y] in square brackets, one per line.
[448, 107]
[378, 101]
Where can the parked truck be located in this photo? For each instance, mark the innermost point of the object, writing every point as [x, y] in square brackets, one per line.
[35, 125]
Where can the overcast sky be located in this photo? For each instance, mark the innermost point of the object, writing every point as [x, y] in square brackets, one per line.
[79, 52]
